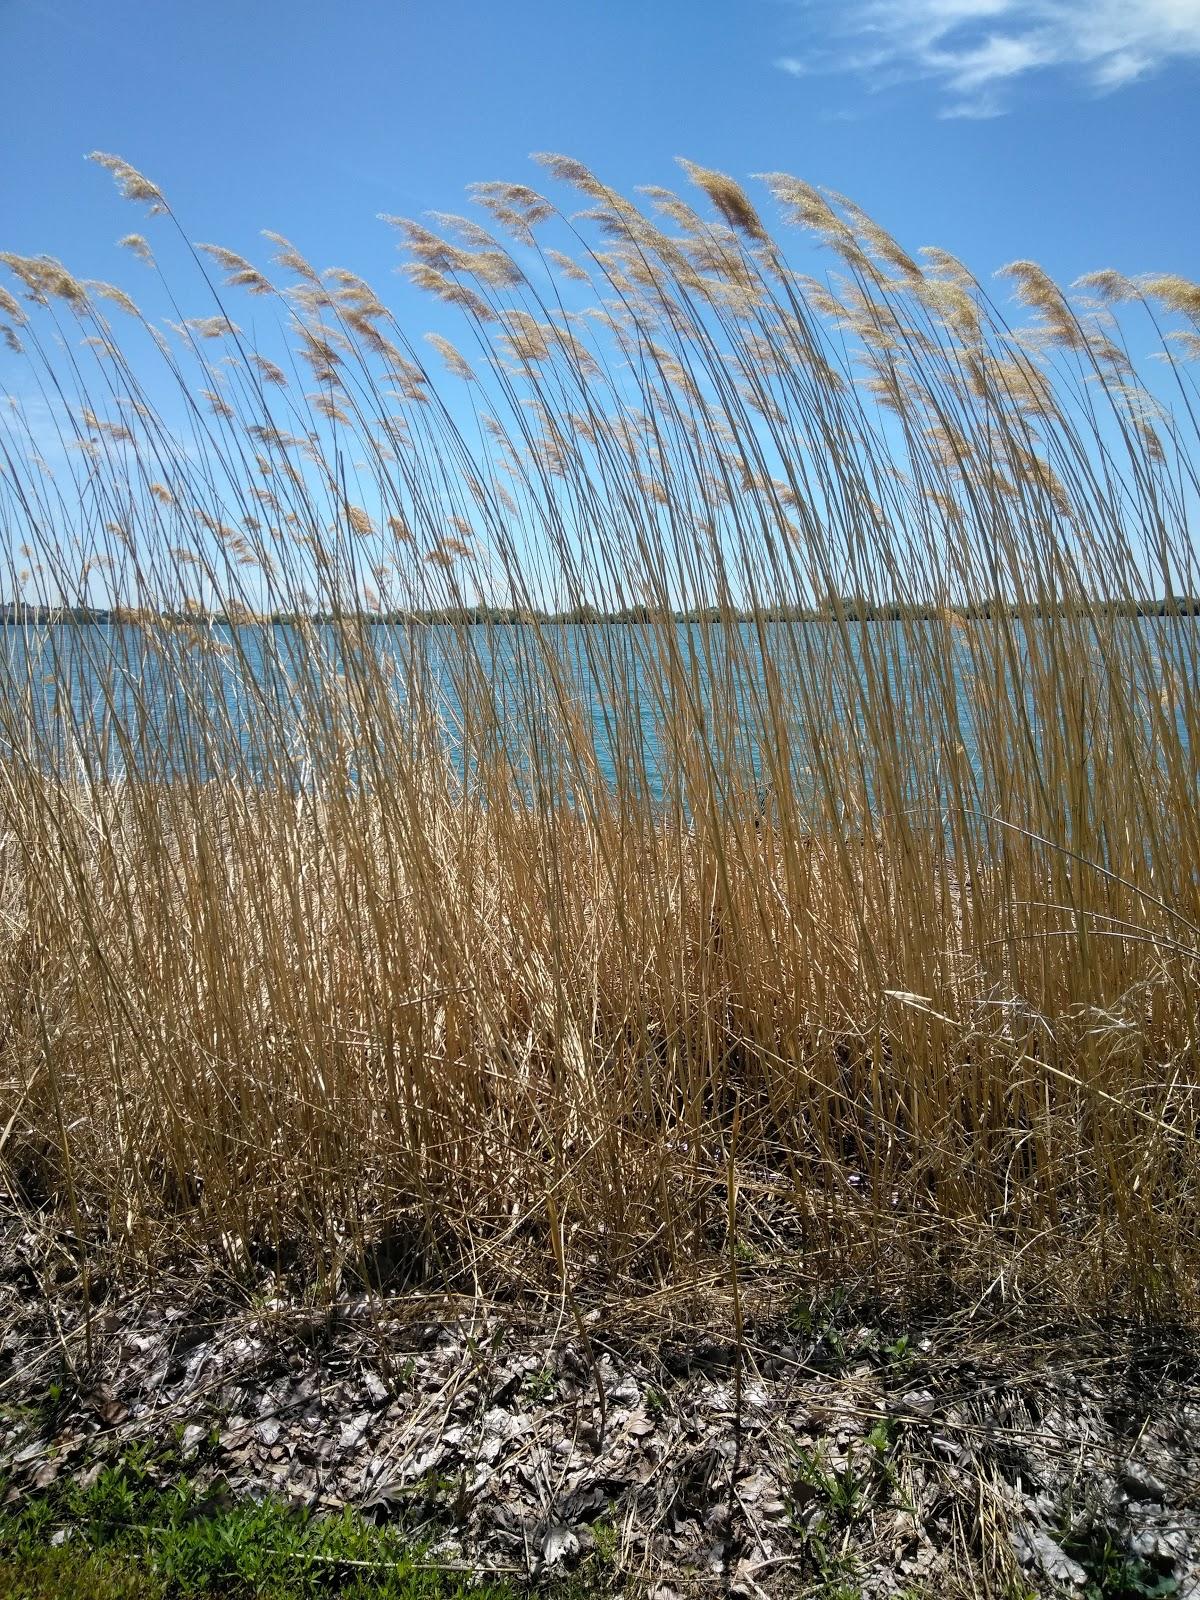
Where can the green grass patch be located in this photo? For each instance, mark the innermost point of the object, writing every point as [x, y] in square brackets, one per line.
[131, 1536]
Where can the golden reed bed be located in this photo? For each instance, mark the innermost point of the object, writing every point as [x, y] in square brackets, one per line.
[835, 944]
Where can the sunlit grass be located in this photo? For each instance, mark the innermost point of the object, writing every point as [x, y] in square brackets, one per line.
[142, 1530]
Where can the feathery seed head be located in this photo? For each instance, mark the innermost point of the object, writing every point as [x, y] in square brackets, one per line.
[668, 204]
[1037, 289]
[515, 206]
[11, 307]
[240, 272]
[109, 291]
[879, 240]
[327, 408]
[569, 269]
[45, 279]
[567, 170]
[211, 327]
[525, 337]
[116, 431]
[1188, 343]
[948, 266]
[805, 204]
[952, 302]
[470, 232]
[456, 363]
[729, 198]
[135, 243]
[290, 259]
[1108, 284]
[268, 371]
[453, 293]
[132, 184]
[1174, 292]
[1021, 382]
[218, 405]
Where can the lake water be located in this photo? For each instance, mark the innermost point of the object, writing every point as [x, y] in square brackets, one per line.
[568, 704]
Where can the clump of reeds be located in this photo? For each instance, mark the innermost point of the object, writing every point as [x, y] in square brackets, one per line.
[440, 924]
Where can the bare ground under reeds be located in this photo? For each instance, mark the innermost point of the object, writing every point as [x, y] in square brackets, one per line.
[839, 1445]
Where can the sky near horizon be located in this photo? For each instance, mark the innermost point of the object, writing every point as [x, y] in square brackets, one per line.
[1063, 130]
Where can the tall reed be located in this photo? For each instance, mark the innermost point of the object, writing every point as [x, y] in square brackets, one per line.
[440, 927]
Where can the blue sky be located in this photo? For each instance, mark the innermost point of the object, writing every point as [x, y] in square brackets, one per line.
[1064, 130]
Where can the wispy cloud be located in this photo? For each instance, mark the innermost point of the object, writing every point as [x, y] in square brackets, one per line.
[977, 51]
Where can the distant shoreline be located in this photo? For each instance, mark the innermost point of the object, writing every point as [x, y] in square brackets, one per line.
[851, 611]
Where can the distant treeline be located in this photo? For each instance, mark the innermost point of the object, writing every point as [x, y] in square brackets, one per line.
[849, 610]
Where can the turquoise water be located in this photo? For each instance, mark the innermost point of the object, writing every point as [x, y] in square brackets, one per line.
[106, 700]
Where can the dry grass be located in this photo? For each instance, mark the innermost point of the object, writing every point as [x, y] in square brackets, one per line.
[429, 954]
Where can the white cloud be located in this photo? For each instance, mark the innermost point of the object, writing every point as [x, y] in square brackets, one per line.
[997, 57]
[981, 109]
[978, 50]
[1122, 67]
